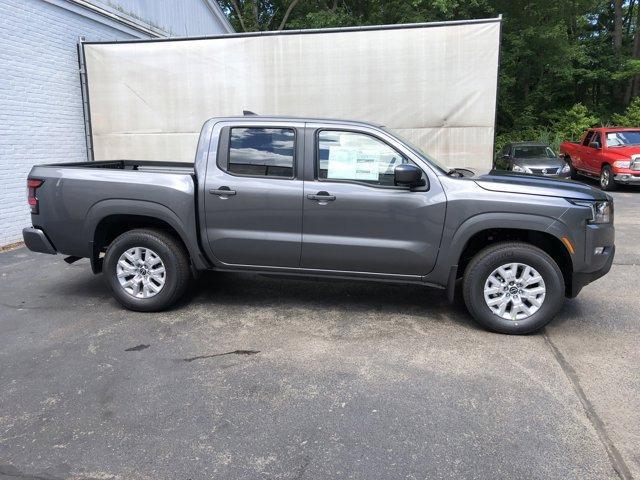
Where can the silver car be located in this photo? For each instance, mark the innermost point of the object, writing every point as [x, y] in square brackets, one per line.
[533, 159]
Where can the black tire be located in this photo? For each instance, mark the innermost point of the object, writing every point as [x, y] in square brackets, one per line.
[573, 173]
[494, 256]
[171, 252]
[607, 182]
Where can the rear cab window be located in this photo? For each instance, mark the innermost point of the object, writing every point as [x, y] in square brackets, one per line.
[260, 151]
[587, 138]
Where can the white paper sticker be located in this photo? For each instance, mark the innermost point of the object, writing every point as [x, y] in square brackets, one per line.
[352, 164]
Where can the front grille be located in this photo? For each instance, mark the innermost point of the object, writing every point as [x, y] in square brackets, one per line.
[544, 171]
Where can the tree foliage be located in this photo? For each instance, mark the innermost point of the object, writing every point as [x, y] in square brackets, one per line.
[565, 64]
[631, 116]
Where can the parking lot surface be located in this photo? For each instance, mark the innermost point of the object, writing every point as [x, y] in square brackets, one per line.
[256, 377]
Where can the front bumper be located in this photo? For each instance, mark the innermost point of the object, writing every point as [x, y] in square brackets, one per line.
[37, 241]
[628, 178]
[580, 279]
[595, 265]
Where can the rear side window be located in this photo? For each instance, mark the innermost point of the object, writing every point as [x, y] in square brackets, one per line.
[261, 151]
[356, 157]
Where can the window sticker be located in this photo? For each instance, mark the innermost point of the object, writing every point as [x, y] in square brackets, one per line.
[348, 163]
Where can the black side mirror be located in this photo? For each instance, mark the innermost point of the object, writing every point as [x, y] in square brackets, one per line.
[506, 156]
[595, 145]
[408, 175]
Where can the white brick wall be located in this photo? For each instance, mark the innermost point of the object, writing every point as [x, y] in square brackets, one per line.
[41, 118]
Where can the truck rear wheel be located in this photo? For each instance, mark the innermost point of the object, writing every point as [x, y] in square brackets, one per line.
[573, 173]
[513, 288]
[146, 269]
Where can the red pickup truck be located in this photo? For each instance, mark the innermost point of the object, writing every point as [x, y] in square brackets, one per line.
[610, 154]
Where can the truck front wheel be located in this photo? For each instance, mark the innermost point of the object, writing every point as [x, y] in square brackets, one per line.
[146, 269]
[607, 182]
[513, 288]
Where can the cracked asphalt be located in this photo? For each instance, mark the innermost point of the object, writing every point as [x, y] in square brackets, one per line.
[256, 377]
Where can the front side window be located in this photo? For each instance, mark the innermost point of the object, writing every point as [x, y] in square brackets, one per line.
[261, 151]
[356, 157]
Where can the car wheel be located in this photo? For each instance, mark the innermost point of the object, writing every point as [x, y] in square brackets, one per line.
[573, 173]
[147, 270]
[513, 288]
[606, 179]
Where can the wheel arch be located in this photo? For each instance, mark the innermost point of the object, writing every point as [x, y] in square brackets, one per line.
[110, 218]
[483, 230]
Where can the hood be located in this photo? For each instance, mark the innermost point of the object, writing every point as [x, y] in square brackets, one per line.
[624, 152]
[527, 184]
[539, 162]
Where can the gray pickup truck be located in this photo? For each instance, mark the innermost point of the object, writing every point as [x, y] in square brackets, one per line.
[326, 198]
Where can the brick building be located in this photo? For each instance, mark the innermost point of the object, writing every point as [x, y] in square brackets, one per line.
[41, 110]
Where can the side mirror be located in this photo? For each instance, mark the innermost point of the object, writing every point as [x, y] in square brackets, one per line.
[408, 175]
[595, 145]
[505, 156]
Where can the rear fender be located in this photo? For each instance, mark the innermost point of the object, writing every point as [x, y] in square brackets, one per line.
[101, 210]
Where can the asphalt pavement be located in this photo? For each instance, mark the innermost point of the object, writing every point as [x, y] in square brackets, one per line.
[257, 377]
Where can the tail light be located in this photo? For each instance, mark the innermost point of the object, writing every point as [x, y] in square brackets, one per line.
[32, 186]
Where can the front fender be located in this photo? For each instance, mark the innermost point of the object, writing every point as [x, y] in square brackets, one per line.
[455, 243]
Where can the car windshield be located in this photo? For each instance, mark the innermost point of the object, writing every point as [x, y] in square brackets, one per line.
[623, 139]
[418, 151]
[533, 151]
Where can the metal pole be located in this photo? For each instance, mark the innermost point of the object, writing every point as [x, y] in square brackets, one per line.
[86, 111]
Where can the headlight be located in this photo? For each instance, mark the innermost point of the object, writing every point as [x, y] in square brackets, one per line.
[518, 168]
[622, 163]
[565, 168]
[601, 211]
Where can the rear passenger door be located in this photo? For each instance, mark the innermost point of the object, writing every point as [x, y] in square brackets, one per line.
[253, 194]
[582, 155]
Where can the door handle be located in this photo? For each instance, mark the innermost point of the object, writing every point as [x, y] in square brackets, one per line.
[222, 191]
[322, 197]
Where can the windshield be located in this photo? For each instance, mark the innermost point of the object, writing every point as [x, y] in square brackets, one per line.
[418, 151]
[533, 151]
[623, 139]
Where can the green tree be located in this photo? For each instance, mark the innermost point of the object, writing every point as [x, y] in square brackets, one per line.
[564, 64]
[574, 122]
[631, 117]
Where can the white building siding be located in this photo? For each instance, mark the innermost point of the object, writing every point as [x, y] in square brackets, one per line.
[177, 18]
[41, 117]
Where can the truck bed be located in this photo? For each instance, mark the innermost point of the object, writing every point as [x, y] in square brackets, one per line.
[136, 165]
[75, 197]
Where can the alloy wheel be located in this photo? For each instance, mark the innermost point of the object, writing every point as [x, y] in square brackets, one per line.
[514, 291]
[141, 272]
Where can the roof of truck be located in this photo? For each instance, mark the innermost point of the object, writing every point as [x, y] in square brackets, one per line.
[284, 118]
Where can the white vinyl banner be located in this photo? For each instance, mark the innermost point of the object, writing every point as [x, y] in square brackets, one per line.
[434, 84]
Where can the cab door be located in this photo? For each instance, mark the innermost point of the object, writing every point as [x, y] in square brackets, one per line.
[587, 152]
[593, 156]
[354, 218]
[253, 194]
